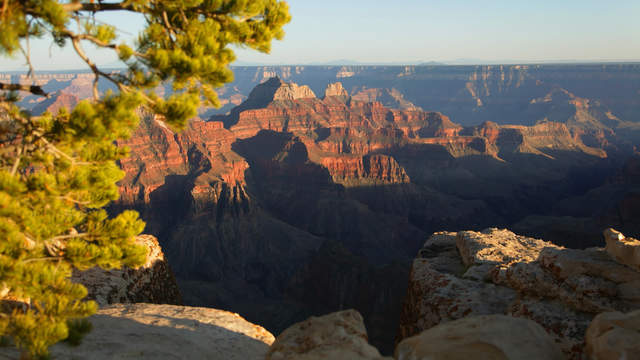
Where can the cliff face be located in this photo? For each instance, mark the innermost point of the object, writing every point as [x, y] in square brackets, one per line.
[55, 102]
[252, 206]
[495, 271]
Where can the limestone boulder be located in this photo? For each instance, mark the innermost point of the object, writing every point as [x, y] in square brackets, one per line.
[338, 336]
[481, 337]
[614, 335]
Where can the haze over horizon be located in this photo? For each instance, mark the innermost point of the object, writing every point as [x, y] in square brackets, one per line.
[414, 32]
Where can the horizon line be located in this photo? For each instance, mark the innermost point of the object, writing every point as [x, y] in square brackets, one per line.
[390, 64]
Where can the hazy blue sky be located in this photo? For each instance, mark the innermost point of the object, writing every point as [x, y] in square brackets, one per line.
[440, 30]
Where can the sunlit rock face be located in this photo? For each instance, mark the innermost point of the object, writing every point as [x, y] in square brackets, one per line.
[152, 331]
[495, 271]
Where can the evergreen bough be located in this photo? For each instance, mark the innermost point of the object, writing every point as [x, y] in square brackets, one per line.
[57, 171]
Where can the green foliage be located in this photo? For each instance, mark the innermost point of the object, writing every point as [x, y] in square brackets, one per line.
[77, 329]
[57, 171]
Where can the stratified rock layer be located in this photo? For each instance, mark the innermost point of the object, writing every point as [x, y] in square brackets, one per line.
[338, 336]
[498, 272]
[153, 282]
[495, 337]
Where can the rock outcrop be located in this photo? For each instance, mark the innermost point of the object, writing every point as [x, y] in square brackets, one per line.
[153, 282]
[335, 89]
[481, 337]
[365, 170]
[339, 336]
[151, 332]
[624, 250]
[291, 91]
[498, 272]
[614, 335]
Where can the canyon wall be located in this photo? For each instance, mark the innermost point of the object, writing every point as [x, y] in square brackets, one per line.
[292, 205]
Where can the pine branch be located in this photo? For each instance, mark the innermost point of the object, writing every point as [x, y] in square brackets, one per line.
[95, 7]
[34, 89]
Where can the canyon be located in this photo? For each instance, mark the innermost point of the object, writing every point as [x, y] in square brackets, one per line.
[302, 199]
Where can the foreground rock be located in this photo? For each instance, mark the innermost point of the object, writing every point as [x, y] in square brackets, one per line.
[148, 331]
[481, 337]
[614, 335]
[153, 282]
[338, 336]
[498, 272]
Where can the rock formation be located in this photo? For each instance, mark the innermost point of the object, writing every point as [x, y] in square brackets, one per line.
[147, 331]
[613, 335]
[291, 91]
[339, 336]
[481, 337]
[624, 250]
[153, 282]
[335, 89]
[498, 272]
[391, 98]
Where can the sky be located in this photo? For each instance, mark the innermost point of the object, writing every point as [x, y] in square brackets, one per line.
[413, 31]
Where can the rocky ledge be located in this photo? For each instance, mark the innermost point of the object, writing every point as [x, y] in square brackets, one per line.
[149, 331]
[342, 336]
[457, 275]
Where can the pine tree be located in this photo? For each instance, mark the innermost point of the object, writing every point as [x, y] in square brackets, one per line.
[58, 171]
